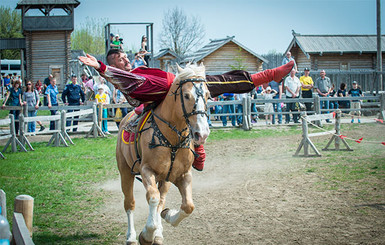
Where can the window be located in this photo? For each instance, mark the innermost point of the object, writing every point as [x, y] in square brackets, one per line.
[14, 67]
[4, 67]
[344, 66]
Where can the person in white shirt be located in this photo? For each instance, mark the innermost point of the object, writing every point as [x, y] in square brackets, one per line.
[292, 85]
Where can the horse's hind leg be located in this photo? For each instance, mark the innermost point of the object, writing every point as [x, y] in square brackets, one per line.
[174, 217]
[127, 183]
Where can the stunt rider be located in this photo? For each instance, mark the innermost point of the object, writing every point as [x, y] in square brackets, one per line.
[144, 85]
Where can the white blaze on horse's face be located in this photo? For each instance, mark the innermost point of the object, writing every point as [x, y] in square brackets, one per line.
[200, 127]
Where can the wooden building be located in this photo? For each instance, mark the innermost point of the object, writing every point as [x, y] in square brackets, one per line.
[166, 57]
[48, 37]
[222, 55]
[345, 58]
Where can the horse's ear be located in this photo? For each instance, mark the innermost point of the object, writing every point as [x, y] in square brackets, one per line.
[201, 64]
[179, 68]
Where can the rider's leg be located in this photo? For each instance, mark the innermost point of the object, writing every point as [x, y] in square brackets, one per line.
[199, 161]
[269, 75]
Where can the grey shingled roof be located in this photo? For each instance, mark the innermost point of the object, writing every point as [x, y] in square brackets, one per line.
[311, 44]
[162, 52]
[49, 2]
[215, 45]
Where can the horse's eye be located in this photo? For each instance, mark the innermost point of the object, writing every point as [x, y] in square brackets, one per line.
[187, 96]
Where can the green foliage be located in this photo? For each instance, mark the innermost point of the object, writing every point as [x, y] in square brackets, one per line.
[239, 61]
[90, 36]
[10, 27]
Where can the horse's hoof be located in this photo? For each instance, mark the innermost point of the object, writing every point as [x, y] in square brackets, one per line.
[142, 241]
[164, 212]
[158, 241]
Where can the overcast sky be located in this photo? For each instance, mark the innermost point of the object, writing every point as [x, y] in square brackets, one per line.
[260, 25]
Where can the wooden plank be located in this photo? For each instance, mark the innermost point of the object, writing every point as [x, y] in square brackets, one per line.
[3, 203]
[317, 117]
[20, 231]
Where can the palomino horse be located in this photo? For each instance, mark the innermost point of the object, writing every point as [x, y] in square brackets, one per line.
[165, 153]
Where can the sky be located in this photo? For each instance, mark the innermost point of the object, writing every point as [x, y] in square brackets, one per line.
[260, 25]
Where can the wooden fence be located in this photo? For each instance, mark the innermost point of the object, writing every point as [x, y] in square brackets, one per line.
[22, 228]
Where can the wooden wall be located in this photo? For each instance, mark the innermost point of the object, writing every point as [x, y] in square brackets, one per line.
[220, 60]
[47, 50]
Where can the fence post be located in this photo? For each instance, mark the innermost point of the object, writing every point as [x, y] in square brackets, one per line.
[245, 113]
[21, 128]
[13, 133]
[317, 108]
[3, 203]
[63, 123]
[24, 205]
[338, 129]
[382, 106]
[100, 115]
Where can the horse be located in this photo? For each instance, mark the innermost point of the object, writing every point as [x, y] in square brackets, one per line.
[163, 153]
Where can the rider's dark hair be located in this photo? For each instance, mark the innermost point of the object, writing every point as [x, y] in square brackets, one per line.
[111, 54]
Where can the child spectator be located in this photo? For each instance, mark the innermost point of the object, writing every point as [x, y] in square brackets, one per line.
[101, 98]
[38, 86]
[355, 104]
[343, 93]
[268, 94]
[333, 104]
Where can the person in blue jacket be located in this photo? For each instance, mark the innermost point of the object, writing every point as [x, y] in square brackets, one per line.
[74, 93]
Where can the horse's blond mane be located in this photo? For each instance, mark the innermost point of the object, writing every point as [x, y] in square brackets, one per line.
[191, 71]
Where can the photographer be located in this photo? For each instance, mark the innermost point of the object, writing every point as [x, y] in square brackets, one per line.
[117, 43]
[139, 60]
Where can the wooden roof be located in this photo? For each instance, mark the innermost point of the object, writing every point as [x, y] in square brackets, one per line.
[163, 52]
[319, 44]
[215, 45]
[46, 2]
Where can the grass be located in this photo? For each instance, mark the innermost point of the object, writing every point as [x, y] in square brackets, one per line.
[60, 180]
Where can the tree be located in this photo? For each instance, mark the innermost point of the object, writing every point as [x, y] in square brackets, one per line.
[10, 27]
[274, 58]
[180, 33]
[90, 36]
[239, 61]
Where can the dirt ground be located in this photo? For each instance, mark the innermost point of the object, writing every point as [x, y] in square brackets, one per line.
[254, 192]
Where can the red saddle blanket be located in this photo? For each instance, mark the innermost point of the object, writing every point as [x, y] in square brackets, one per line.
[129, 137]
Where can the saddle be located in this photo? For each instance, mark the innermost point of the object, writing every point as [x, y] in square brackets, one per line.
[133, 126]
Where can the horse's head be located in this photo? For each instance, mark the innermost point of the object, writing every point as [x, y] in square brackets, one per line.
[193, 93]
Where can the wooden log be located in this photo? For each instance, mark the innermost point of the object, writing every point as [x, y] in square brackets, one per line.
[24, 205]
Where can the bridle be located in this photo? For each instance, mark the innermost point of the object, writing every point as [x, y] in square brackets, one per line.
[199, 93]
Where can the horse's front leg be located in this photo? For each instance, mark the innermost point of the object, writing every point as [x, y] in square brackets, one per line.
[174, 217]
[153, 197]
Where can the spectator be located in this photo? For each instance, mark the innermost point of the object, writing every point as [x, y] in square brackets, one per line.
[47, 82]
[7, 82]
[101, 98]
[228, 109]
[32, 99]
[289, 58]
[106, 89]
[14, 94]
[116, 43]
[268, 94]
[138, 61]
[73, 92]
[118, 98]
[240, 97]
[343, 93]
[333, 104]
[355, 104]
[307, 85]
[292, 86]
[276, 106]
[51, 93]
[144, 49]
[254, 117]
[323, 86]
[38, 87]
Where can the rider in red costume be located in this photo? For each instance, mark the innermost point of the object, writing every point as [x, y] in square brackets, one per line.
[148, 85]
